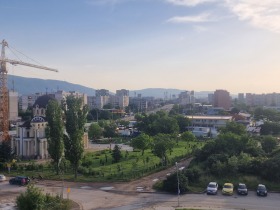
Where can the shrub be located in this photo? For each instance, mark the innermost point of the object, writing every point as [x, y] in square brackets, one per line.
[34, 199]
[171, 183]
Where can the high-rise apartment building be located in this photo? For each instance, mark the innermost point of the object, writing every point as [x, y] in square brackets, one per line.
[186, 97]
[241, 98]
[13, 106]
[222, 99]
[122, 98]
[102, 98]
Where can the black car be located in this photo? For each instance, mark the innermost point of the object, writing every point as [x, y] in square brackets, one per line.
[261, 191]
[242, 189]
[19, 180]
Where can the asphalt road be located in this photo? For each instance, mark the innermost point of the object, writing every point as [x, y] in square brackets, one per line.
[96, 198]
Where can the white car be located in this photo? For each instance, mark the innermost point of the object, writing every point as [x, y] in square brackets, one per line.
[212, 188]
[2, 178]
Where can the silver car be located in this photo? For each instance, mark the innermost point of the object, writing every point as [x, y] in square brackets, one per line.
[2, 178]
[212, 188]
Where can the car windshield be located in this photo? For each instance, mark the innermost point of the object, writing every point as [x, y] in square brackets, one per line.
[227, 186]
[261, 188]
[242, 186]
[212, 185]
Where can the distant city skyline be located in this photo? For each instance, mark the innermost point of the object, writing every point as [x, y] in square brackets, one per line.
[200, 45]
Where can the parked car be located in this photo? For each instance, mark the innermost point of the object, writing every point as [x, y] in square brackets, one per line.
[242, 189]
[2, 178]
[227, 189]
[261, 190]
[19, 180]
[212, 188]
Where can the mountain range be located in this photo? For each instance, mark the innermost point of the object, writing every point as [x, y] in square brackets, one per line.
[25, 86]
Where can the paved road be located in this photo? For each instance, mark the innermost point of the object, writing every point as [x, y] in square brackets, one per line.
[92, 198]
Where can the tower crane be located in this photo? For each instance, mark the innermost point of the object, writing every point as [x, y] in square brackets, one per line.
[4, 103]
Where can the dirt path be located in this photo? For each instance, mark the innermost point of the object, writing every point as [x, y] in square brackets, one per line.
[142, 184]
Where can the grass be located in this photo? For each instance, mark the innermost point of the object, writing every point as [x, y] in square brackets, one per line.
[97, 166]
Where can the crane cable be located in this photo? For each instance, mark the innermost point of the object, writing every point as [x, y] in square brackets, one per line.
[24, 55]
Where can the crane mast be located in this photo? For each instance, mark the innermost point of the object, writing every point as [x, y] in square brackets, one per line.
[4, 98]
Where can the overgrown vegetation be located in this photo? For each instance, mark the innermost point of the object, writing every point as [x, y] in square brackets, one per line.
[34, 198]
[234, 156]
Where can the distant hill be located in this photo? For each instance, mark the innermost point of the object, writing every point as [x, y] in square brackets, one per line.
[24, 85]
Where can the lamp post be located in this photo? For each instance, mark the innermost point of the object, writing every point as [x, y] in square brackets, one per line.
[178, 185]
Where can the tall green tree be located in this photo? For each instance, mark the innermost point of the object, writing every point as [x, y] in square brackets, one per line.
[94, 131]
[6, 152]
[110, 130]
[75, 115]
[269, 143]
[162, 144]
[188, 136]
[141, 142]
[116, 154]
[54, 132]
[235, 128]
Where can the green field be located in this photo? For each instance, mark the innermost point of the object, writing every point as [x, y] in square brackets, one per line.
[98, 166]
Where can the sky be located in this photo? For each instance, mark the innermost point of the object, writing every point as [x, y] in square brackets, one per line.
[199, 45]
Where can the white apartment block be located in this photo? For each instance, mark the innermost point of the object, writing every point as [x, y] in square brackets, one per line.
[186, 97]
[13, 106]
[209, 121]
[61, 95]
[270, 99]
[122, 98]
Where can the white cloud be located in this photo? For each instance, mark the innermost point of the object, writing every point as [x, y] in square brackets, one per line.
[259, 13]
[188, 3]
[204, 17]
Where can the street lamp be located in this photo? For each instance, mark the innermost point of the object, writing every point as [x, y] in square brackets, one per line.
[178, 185]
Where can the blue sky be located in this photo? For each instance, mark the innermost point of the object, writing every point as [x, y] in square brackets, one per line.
[135, 44]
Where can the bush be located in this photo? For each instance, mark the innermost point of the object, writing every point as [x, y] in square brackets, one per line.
[193, 174]
[34, 199]
[171, 183]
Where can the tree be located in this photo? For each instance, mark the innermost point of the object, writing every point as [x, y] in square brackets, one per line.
[94, 131]
[75, 115]
[171, 183]
[188, 136]
[269, 143]
[141, 142]
[116, 154]
[6, 152]
[162, 144]
[54, 132]
[110, 130]
[182, 122]
[235, 128]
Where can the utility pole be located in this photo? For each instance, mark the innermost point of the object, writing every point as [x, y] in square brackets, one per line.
[178, 185]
